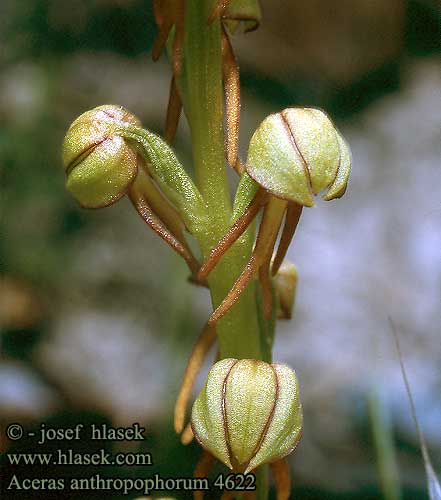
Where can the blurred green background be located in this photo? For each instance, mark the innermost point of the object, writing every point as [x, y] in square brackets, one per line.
[97, 317]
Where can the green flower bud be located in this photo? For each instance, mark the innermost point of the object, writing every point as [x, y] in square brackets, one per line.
[298, 153]
[99, 164]
[248, 413]
[286, 284]
[246, 11]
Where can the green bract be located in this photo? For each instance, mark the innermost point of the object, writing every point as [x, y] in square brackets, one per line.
[99, 165]
[298, 153]
[248, 413]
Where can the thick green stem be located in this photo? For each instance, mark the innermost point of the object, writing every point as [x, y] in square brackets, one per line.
[202, 95]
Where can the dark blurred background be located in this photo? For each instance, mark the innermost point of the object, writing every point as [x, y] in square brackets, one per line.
[97, 317]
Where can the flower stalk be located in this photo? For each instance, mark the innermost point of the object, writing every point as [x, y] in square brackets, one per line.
[248, 415]
[202, 95]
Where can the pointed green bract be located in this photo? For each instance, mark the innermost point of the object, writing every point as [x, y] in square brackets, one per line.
[246, 190]
[164, 167]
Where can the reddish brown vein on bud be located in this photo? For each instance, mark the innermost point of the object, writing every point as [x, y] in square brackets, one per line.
[231, 456]
[270, 417]
[243, 423]
[292, 137]
[82, 154]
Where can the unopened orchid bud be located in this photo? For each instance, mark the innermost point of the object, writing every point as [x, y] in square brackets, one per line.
[286, 284]
[107, 154]
[298, 153]
[247, 12]
[100, 165]
[292, 156]
[248, 413]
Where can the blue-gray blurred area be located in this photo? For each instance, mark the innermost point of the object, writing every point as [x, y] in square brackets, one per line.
[97, 315]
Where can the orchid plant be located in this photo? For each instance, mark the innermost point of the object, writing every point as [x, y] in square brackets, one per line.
[248, 414]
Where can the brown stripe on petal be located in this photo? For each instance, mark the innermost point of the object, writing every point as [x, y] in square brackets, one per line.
[306, 167]
[232, 458]
[75, 161]
[270, 418]
[339, 164]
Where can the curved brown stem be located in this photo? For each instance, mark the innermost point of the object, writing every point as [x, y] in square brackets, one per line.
[203, 468]
[187, 435]
[152, 220]
[266, 238]
[202, 345]
[231, 77]
[282, 478]
[233, 295]
[235, 231]
[145, 187]
[174, 109]
[293, 214]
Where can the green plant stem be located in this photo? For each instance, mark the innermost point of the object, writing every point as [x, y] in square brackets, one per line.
[202, 94]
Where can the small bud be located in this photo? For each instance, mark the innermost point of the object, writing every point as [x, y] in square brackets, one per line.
[248, 413]
[100, 165]
[286, 284]
[298, 153]
[246, 11]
